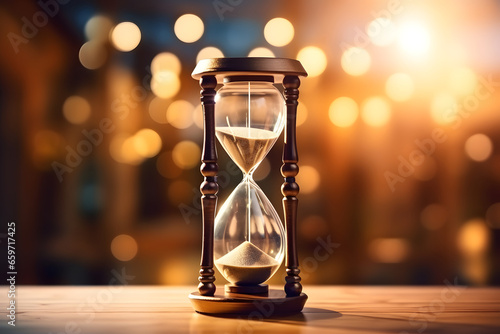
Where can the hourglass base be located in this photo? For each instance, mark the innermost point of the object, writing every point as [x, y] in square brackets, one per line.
[259, 289]
[276, 303]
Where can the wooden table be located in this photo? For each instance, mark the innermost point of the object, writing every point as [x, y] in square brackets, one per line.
[330, 309]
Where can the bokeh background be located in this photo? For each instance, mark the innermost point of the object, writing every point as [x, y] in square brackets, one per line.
[398, 136]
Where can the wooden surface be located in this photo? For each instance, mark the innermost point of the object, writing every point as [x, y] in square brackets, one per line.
[330, 309]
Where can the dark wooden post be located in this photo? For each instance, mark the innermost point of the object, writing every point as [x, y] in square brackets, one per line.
[290, 188]
[209, 187]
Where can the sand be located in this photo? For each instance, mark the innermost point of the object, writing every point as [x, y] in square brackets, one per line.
[246, 146]
[247, 265]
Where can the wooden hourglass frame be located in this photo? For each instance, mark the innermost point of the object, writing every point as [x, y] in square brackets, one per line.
[211, 72]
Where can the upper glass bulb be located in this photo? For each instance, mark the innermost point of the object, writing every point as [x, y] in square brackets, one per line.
[250, 114]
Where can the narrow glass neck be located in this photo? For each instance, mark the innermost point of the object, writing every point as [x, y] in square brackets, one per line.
[248, 176]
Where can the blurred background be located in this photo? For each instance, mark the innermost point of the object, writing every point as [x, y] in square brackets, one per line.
[398, 140]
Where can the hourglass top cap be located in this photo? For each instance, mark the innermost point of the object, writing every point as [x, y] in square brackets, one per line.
[223, 67]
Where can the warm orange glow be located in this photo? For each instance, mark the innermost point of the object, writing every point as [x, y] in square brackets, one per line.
[376, 111]
[186, 154]
[147, 143]
[381, 31]
[308, 179]
[473, 237]
[263, 170]
[389, 250]
[165, 84]
[166, 61]
[302, 114]
[434, 216]
[46, 147]
[343, 112]
[443, 108]
[126, 36]
[124, 247]
[76, 109]
[313, 59]
[166, 166]
[261, 52]
[462, 80]
[198, 116]
[180, 114]
[478, 147]
[181, 191]
[399, 87]
[175, 272]
[158, 110]
[209, 52]
[189, 28]
[427, 170]
[355, 61]
[128, 152]
[278, 32]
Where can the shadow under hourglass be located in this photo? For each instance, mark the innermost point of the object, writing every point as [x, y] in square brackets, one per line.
[310, 317]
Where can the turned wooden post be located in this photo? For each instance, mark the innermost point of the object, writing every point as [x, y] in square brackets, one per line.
[209, 187]
[290, 188]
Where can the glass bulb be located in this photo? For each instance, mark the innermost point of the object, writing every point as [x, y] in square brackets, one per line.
[249, 237]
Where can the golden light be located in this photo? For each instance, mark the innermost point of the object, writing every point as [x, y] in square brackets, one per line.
[399, 87]
[278, 32]
[189, 28]
[434, 216]
[302, 113]
[355, 61]
[473, 237]
[126, 36]
[343, 112]
[147, 143]
[381, 31]
[263, 170]
[478, 147]
[186, 154]
[308, 178]
[158, 110]
[443, 108]
[165, 84]
[92, 55]
[198, 116]
[76, 109]
[261, 52]
[313, 59]
[376, 111]
[414, 38]
[389, 250]
[98, 27]
[124, 247]
[493, 215]
[209, 52]
[115, 147]
[180, 114]
[166, 166]
[128, 152]
[175, 272]
[462, 80]
[166, 61]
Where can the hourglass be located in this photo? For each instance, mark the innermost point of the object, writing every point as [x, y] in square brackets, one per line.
[246, 241]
